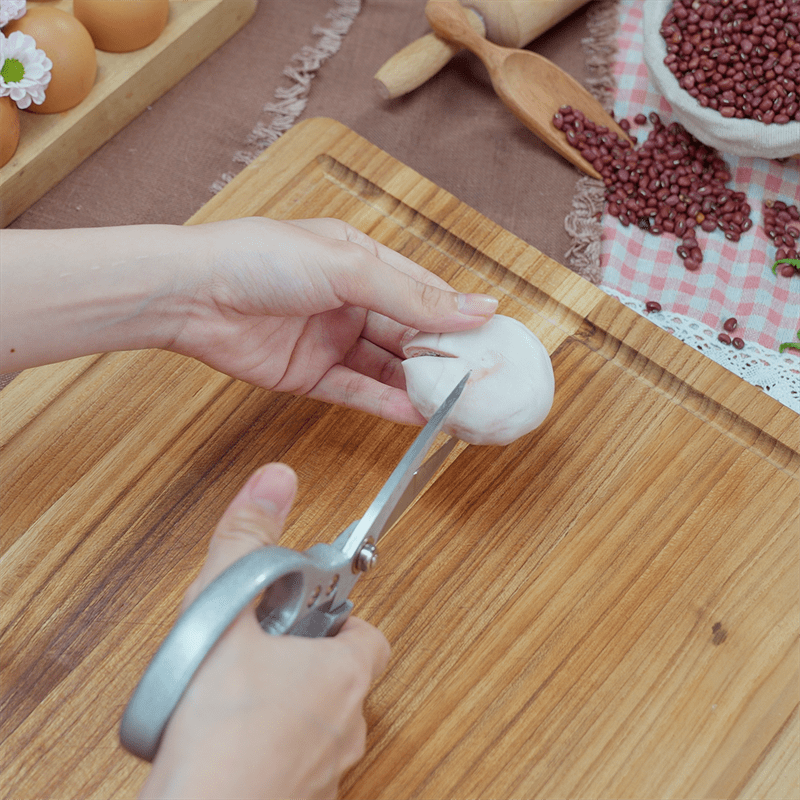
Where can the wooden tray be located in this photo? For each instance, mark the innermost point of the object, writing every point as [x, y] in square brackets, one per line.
[606, 608]
[52, 145]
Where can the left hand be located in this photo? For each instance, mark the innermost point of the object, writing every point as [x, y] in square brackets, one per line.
[317, 308]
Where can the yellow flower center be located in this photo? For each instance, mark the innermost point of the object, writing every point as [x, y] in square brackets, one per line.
[12, 71]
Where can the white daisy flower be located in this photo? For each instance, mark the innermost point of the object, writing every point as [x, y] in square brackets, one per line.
[24, 70]
[11, 9]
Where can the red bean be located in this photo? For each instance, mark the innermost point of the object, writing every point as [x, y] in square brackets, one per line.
[671, 183]
[730, 324]
[737, 343]
[652, 305]
[780, 225]
[724, 338]
[740, 57]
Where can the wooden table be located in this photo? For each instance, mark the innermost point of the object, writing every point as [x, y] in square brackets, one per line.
[606, 608]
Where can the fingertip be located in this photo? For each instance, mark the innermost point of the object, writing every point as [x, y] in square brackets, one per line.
[477, 305]
[273, 487]
[255, 517]
[370, 642]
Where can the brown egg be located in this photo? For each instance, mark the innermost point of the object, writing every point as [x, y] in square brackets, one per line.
[9, 129]
[68, 45]
[120, 26]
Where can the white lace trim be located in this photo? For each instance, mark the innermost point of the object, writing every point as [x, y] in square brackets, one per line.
[777, 374]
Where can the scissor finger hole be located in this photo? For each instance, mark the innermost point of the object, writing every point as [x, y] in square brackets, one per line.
[277, 609]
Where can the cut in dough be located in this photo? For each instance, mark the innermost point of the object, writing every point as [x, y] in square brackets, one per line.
[509, 393]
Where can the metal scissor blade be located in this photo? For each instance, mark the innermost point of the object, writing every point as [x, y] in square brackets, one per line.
[419, 480]
[388, 505]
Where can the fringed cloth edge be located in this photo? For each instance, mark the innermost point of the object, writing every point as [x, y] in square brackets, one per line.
[290, 101]
[584, 222]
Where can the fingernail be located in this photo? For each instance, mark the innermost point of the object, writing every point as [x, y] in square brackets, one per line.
[273, 487]
[477, 305]
[407, 337]
[258, 492]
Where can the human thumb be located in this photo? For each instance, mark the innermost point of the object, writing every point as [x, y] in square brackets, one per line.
[254, 519]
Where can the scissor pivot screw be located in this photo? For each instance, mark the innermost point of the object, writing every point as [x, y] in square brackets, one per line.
[367, 557]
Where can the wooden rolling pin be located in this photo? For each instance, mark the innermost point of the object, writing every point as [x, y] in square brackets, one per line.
[511, 23]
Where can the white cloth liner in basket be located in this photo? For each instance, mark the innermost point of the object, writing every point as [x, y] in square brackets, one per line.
[738, 137]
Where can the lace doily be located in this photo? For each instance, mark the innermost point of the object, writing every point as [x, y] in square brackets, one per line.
[777, 374]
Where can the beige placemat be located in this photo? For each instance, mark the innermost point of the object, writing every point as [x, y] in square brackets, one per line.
[318, 58]
[453, 129]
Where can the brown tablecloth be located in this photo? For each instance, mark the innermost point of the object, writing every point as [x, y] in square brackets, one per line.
[453, 129]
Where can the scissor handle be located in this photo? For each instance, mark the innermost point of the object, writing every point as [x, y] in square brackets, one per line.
[303, 594]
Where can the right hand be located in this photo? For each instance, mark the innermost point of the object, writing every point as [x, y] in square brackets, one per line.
[267, 716]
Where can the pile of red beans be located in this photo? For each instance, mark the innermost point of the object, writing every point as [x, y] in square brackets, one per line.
[782, 225]
[672, 183]
[739, 57]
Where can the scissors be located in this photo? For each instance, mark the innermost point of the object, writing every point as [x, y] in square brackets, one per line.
[302, 594]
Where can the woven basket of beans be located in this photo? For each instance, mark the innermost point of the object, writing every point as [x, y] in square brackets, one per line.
[730, 71]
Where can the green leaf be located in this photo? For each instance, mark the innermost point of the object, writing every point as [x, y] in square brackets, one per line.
[793, 345]
[795, 262]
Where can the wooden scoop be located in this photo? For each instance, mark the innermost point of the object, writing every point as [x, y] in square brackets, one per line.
[531, 86]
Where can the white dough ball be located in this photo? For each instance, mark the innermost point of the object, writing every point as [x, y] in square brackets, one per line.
[510, 390]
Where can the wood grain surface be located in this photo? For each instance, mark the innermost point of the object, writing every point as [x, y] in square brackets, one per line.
[606, 608]
[52, 145]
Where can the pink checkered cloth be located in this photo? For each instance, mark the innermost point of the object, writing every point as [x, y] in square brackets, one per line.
[735, 279]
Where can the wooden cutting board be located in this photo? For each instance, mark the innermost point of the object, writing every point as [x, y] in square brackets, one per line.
[606, 608]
